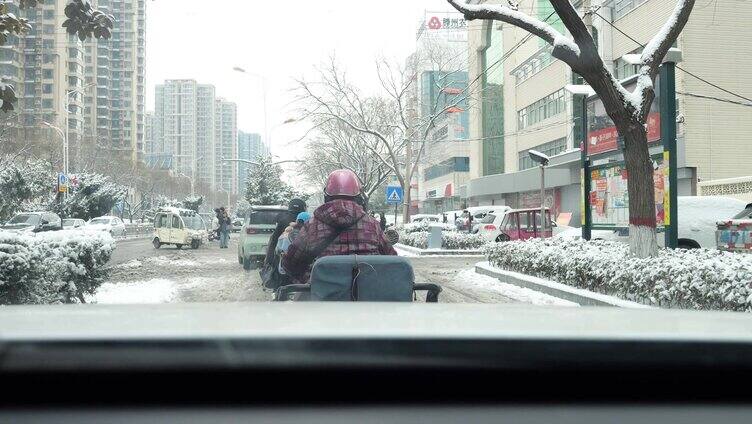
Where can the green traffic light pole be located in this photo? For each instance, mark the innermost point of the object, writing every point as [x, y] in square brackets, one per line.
[667, 91]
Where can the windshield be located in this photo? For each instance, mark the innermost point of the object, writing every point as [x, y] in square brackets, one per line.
[264, 217]
[25, 219]
[214, 151]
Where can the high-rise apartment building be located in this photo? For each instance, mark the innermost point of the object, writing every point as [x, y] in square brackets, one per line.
[196, 133]
[101, 81]
[250, 147]
[115, 68]
[226, 145]
[184, 129]
[43, 66]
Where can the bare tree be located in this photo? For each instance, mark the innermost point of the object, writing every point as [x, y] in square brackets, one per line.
[390, 119]
[341, 147]
[628, 110]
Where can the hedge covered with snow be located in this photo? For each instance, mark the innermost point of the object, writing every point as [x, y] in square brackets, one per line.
[693, 279]
[52, 267]
[452, 240]
[415, 227]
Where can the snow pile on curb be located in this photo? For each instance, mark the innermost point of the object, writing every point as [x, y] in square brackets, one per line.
[156, 290]
[469, 277]
[450, 240]
[694, 279]
[52, 267]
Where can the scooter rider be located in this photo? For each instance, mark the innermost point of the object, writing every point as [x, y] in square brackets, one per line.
[340, 226]
[284, 219]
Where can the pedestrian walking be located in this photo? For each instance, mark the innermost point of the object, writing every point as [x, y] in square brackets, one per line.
[382, 221]
[225, 224]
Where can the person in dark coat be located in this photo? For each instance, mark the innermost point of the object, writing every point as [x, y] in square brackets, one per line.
[338, 227]
[382, 221]
[284, 219]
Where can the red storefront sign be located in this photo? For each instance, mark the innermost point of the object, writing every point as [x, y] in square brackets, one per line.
[448, 190]
[605, 139]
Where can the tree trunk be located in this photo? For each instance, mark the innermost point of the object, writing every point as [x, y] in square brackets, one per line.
[641, 190]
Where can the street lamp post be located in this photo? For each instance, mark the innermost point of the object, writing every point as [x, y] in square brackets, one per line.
[542, 160]
[66, 107]
[264, 84]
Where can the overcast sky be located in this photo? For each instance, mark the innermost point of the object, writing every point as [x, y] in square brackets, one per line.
[282, 40]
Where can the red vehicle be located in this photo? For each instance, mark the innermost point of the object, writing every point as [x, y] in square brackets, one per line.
[523, 224]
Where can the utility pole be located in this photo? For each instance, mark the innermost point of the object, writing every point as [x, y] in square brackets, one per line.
[408, 180]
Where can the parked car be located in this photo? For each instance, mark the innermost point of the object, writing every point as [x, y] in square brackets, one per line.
[73, 223]
[735, 234]
[481, 212]
[256, 231]
[34, 222]
[519, 224]
[180, 227]
[111, 224]
[698, 221]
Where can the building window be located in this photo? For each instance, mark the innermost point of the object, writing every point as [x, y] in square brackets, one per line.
[551, 148]
[47, 88]
[545, 108]
[622, 7]
[455, 164]
[534, 64]
[47, 103]
[47, 74]
[49, 14]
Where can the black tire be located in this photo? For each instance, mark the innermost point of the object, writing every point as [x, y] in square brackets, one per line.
[156, 243]
[178, 246]
[194, 244]
[248, 263]
[240, 260]
[502, 238]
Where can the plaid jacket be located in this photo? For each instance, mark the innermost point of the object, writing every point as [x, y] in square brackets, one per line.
[363, 237]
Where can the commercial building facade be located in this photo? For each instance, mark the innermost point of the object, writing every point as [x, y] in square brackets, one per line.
[532, 110]
[442, 98]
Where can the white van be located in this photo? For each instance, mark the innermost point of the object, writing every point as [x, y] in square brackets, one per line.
[180, 227]
[698, 216]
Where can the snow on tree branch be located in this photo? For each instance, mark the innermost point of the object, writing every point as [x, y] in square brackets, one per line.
[653, 54]
[564, 48]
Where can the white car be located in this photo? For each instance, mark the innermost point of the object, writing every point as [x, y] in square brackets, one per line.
[490, 225]
[111, 224]
[480, 212]
[698, 216]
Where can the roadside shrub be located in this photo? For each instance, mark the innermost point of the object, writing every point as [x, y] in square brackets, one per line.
[415, 227]
[692, 279]
[452, 240]
[52, 267]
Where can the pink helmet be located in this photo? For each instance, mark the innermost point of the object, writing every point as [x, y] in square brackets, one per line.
[342, 182]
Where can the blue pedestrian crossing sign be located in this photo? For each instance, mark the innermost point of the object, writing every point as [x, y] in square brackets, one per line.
[393, 195]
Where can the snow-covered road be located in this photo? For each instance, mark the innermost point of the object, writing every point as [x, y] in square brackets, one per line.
[142, 274]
